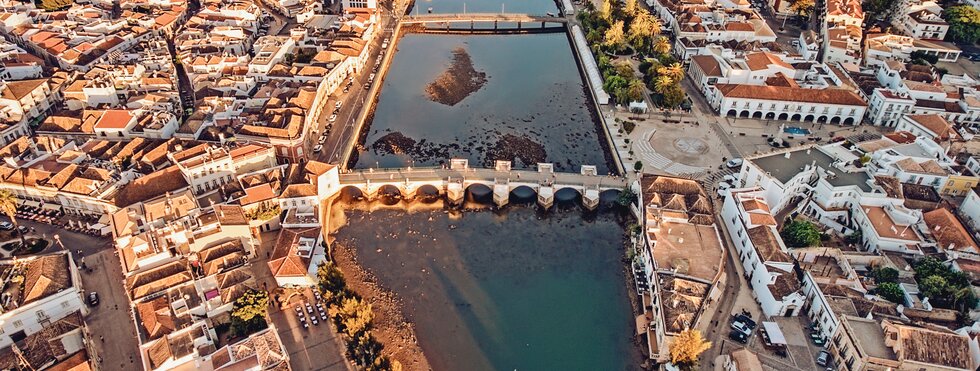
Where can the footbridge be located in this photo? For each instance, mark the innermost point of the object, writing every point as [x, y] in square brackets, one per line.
[454, 180]
[482, 17]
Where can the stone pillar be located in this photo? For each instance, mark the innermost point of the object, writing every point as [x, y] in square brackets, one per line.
[590, 198]
[546, 196]
[455, 192]
[371, 191]
[501, 194]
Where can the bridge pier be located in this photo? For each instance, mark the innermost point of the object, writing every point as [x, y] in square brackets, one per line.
[590, 198]
[455, 192]
[501, 194]
[546, 197]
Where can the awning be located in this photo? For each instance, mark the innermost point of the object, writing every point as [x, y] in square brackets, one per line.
[50, 206]
[30, 203]
[775, 334]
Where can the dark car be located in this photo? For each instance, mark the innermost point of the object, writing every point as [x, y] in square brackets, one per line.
[23, 229]
[738, 336]
[746, 320]
[93, 298]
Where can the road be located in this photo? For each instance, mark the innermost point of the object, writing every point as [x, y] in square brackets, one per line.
[343, 133]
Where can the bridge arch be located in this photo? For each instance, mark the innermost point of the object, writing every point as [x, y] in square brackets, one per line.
[567, 194]
[351, 193]
[523, 193]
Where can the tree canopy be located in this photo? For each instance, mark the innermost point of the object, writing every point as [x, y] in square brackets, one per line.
[892, 292]
[964, 23]
[687, 347]
[800, 233]
[885, 275]
[249, 311]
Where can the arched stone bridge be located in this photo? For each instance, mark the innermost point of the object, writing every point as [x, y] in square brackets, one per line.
[481, 17]
[458, 176]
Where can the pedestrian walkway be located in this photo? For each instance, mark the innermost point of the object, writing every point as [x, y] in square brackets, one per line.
[652, 158]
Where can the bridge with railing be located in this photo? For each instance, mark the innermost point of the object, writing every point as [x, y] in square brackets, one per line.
[453, 181]
[471, 18]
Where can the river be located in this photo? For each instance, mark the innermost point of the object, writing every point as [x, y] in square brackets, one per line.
[532, 107]
[503, 290]
[486, 6]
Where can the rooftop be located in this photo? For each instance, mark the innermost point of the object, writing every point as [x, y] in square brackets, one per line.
[784, 169]
[870, 337]
[690, 249]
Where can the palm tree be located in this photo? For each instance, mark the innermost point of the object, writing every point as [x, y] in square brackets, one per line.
[635, 90]
[8, 206]
[675, 71]
[661, 45]
[662, 84]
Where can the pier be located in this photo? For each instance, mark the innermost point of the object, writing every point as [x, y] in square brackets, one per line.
[453, 181]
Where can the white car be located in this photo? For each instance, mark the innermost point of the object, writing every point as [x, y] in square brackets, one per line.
[387, 40]
[371, 77]
[323, 138]
[724, 185]
[339, 103]
[317, 149]
[729, 178]
[332, 118]
[733, 163]
[6, 226]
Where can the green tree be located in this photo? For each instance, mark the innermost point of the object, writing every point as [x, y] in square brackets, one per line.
[644, 27]
[615, 37]
[934, 287]
[892, 292]
[879, 9]
[635, 90]
[625, 70]
[661, 45]
[8, 206]
[352, 315]
[605, 10]
[964, 23]
[626, 196]
[687, 348]
[249, 311]
[929, 266]
[885, 275]
[662, 84]
[800, 233]
[674, 97]
[614, 84]
[632, 8]
[331, 282]
[802, 8]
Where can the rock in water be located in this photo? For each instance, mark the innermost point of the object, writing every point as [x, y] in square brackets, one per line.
[457, 82]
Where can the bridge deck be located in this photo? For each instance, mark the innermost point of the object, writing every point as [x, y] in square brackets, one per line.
[481, 17]
[393, 176]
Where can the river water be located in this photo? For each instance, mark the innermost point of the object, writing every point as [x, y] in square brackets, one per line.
[533, 106]
[504, 290]
[486, 6]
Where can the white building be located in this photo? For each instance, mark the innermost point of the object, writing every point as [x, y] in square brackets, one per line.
[40, 290]
[921, 20]
[761, 251]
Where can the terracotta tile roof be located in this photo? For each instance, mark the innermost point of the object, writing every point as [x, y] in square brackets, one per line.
[151, 186]
[259, 193]
[708, 64]
[158, 279]
[284, 261]
[761, 60]
[217, 258]
[156, 317]
[114, 119]
[766, 243]
[936, 124]
[948, 232]
[19, 89]
[782, 93]
[159, 353]
[785, 285]
[230, 215]
[46, 275]
[299, 190]
[317, 168]
[901, 137]
[947, 349]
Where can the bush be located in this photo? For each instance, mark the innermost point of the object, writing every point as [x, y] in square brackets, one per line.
[885, 275]
[800, 233]
[930, 58]
[892, 292]
[248, 313]
[628, 126]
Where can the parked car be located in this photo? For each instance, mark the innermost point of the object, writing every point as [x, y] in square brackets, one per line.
[733, 163]
[339, 103]
[823, 358]
[371, 77]
[332, 118]
[6, 226]
[23, 229]
[746, 320]
[729, 178]
[317, 149]
[367, 86]
[741, 327]
[323, 138]
[738, 336]
[724, 185]
[93, 298]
